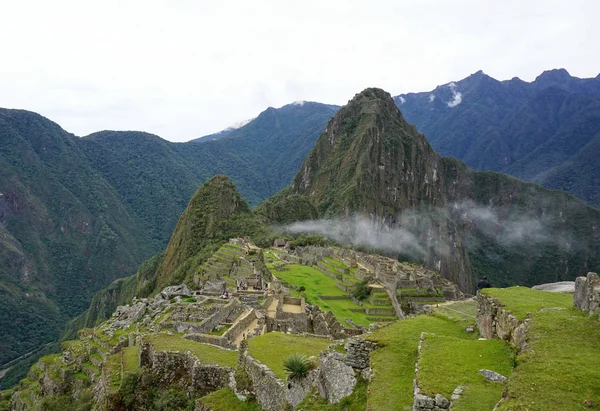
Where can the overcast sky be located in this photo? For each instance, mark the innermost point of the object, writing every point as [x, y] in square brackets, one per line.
[184, 69]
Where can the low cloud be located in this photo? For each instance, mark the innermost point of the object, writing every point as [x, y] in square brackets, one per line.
[416, 233]
[456, 96]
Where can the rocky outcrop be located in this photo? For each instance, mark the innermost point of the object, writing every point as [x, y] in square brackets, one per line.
[493, 320]
[559, 287]
[173, 291]
[587, 294]
[336, 379]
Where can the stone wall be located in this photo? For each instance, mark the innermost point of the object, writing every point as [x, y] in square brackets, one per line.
[218, 317]
[587, 294]
[171, 367]
[232, 333]
[358, 352]
[211, 339]
[422, 402]
[268, 389]
[333, 379]
[494, 321]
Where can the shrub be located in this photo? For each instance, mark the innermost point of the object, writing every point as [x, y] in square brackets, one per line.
[361, 291]
[297, 366]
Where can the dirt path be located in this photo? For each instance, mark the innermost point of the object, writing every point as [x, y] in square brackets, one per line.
[272, 308]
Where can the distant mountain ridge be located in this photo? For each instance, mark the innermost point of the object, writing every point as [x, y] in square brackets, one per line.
[463, 223]
[78, 213]
[545, 131]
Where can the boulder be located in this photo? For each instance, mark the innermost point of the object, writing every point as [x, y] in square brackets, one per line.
[173, 291]
[214, 287]
[492, 376]
[126, 315]
[336, 379]
[559, 287]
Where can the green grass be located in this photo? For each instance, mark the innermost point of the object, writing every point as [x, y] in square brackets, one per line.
[317, 283]
[225, 400]
[131, 362]
[357, 401]
[464, 311]
[523, 300]
[394, 363]
[112, 367]
[273, 348]
[447, 362]
[81, 376]
[207, 354]
[220, 331]
[558, 370]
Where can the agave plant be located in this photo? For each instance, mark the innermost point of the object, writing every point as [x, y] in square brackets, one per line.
[297, 366]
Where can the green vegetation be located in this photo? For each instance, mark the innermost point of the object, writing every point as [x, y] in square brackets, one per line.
[208, 354]
[273, 348]
[522, 300]
[392, 386]
[297, 366]
[361, 291]
[553, 371]
[225, 400]
[317, 283]
[447, 362]
[357, 401]
[131, 361]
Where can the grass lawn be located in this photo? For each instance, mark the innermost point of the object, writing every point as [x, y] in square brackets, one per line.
[207, 354]
[523, 300]
[447, 362]
[131, 361]
[272, 349]
[394, 363]
[317, 283]
[357, 401]
[558, 370]
[462, 311]
[225, 400]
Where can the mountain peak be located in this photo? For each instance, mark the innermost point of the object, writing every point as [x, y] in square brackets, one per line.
[365, 149]
[554, 75]
[212, 211]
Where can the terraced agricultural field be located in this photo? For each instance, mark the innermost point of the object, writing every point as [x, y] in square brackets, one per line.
[317, 284]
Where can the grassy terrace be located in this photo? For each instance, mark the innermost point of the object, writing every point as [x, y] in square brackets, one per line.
[394, 363]
[273, 348]
[208, 354]
[225, 400]
[523, 300]
[317, 283]
[447, 362]
[558, 368]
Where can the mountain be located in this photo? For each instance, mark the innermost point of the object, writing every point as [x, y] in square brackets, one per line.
[64, 232]
[545, 131]
[466, 224]
[79, 213]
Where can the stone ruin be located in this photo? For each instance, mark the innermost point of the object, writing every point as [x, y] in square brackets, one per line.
[587, 294]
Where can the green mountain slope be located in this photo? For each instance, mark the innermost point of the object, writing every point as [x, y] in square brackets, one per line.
[371, 162]
[78, 213]
[538, 131]
[65, 233]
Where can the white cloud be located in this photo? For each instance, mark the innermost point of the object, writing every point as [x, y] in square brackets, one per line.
[431, 98]
[456, 96]
[402, 100]
[183, 69]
